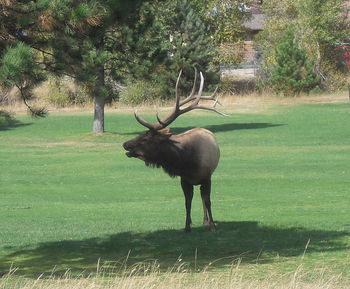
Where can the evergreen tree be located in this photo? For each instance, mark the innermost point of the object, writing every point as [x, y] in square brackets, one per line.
[19, 69]
[292, 72]
[188, 41]
[169, 36]
[74, 38]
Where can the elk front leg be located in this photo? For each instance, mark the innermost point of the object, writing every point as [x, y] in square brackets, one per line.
[188, 191]
[205, 194]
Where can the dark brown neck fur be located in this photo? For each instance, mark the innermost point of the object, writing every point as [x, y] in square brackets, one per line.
[175, 160]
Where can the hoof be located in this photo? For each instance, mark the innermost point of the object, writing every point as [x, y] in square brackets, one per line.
[187, 230]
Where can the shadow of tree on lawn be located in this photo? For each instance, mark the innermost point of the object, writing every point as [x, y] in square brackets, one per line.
[7, 121]
[248, 241]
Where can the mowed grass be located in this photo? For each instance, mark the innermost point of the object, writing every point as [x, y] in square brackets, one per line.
[281, 195]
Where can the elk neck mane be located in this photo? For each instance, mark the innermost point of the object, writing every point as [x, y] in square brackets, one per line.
[173, 158]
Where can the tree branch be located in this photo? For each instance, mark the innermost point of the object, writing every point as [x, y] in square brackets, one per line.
[41, 112]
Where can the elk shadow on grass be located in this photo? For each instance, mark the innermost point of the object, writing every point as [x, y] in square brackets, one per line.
[249, 242]
[230, 127]
[219, 127]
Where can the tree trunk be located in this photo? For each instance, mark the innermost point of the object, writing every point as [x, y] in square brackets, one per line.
[99, 115]
[100, 100]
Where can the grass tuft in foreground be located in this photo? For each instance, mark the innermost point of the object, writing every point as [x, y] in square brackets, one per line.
[149, 275]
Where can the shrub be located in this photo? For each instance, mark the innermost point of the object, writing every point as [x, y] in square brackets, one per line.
[228, 86]
[292, 72]
[140, 92]
[63, 93]
[4, 97]
[333, 78]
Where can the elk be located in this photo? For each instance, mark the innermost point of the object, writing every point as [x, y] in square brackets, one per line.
[192, 155]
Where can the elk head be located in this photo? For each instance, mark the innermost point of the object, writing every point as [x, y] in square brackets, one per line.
[145, 145]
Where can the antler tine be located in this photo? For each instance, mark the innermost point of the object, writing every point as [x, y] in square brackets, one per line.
[212, 97]
[201, 85]
[194, 83]
[177, 97]
[187, 109]
[160, 121]
[191, 96]
[176, 111]
[143, 122]
[212, 109]
[216, 99]
[200, 90]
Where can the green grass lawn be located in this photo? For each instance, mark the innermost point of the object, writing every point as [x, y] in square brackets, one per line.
[281, 194]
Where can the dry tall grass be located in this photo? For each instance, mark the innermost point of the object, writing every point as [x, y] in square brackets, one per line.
[254, 102]
[149, 275]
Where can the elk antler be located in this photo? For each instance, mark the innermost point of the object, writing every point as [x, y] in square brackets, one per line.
[192, 99]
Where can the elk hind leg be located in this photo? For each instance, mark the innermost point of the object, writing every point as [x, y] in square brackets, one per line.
[188, 192]
[205, 194]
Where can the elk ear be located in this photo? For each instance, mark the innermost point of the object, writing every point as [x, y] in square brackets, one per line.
[165, 131]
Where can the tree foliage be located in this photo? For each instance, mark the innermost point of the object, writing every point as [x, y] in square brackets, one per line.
[178, 34]
[225, 18]
[100, 42]
[20, 69]
[70, 38]
[168, 36]
[318, 24]
[292, 71]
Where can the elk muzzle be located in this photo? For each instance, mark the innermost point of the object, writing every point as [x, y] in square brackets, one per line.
[130, 153]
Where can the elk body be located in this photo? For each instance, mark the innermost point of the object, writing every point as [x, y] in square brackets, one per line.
[192, 155]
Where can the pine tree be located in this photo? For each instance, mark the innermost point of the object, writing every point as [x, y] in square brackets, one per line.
[189, 37]
[19, 69]
[74, 38]
[171, 35]
[292, 72]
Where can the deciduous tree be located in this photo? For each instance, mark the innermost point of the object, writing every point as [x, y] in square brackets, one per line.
[318, 24]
